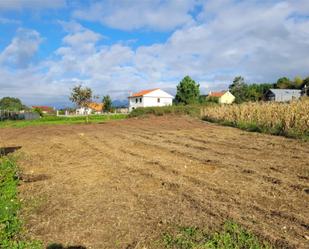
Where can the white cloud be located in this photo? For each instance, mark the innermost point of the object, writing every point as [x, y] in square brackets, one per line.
[134, 14]
[20, 51]
[4, 20]
[260, 40]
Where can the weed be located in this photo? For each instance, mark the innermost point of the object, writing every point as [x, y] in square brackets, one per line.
[10, 224]
[231, 237]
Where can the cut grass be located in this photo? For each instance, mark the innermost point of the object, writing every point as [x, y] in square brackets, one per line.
[54, 120]
[231, 237]
[10, 225]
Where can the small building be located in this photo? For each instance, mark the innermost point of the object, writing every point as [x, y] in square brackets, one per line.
[305, 91]
[45, 109]
[149, 98]
[92, 108]
[224, 97]
[282, 95]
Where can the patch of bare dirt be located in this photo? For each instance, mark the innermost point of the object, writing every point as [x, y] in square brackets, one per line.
[119, 185]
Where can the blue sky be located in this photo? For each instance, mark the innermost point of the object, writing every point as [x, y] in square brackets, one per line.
[116, 47]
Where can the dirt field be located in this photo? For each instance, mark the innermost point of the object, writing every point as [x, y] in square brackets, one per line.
[121, 184]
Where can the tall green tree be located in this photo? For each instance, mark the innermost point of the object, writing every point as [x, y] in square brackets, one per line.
[188, 91]
[81, 97]
[239, 89]
[284, 83]
[107, 102]
[11, 104]
[298, 82]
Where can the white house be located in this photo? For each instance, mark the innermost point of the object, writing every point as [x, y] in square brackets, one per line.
[91, 108]
[147, 98]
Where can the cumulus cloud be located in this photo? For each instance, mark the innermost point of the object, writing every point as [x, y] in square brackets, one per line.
[20, 51]
[130, 15]
[260, 40]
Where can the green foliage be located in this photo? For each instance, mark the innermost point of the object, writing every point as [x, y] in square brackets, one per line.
[298, 82]
[10, 224]
[188, 92]
[238, 89]
[107, 102]
[212, 99]
[284, 83]
[11, 104]
[248, 92]
[54, 120]
[192, 110]
[231, 237]
[81, 96]
[38, 111]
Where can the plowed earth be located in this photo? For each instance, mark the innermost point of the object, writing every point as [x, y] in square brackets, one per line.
[121, 184]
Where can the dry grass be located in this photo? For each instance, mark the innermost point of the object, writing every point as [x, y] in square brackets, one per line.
[123, 184]
[290, 119]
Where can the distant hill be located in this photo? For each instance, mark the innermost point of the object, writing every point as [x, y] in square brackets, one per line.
[120, 103]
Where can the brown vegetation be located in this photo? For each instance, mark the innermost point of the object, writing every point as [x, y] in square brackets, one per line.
[122, 184]
[276, 118]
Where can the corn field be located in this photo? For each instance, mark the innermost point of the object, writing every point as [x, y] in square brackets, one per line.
[281, 118]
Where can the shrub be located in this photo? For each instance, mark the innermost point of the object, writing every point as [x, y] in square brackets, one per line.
[192, 110]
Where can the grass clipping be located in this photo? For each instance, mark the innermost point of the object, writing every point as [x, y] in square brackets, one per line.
[11, 234]
[287, 119]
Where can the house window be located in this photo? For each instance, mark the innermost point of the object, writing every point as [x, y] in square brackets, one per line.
[136, 100]
[140, 100]
[158, 100]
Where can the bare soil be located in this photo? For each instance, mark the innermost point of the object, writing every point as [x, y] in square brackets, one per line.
[122, 184]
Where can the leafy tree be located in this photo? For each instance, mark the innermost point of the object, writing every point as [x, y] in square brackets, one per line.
[239, 89]
[298, 82]
[107, 102]
[284, 83]
[188, 91]
[81, 97]
[38, 111]
[11, 104]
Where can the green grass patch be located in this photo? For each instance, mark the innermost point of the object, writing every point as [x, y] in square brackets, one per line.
[54, 120]
[232, 236]
[192, 110]
[11, 231]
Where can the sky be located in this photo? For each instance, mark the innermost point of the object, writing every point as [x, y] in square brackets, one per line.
[120, 46]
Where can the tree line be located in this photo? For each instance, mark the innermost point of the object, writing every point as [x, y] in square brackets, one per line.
[188, 91]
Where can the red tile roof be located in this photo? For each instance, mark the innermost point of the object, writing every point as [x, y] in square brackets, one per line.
[217, 94]
[96, 106]
[142, 93]
[44, 108]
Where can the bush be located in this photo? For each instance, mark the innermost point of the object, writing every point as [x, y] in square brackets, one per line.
[38, 111]
[192, 110]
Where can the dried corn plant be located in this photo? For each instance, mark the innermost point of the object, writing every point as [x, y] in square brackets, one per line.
[288, 118]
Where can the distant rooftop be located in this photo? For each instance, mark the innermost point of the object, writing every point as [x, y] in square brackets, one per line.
[144, 92]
